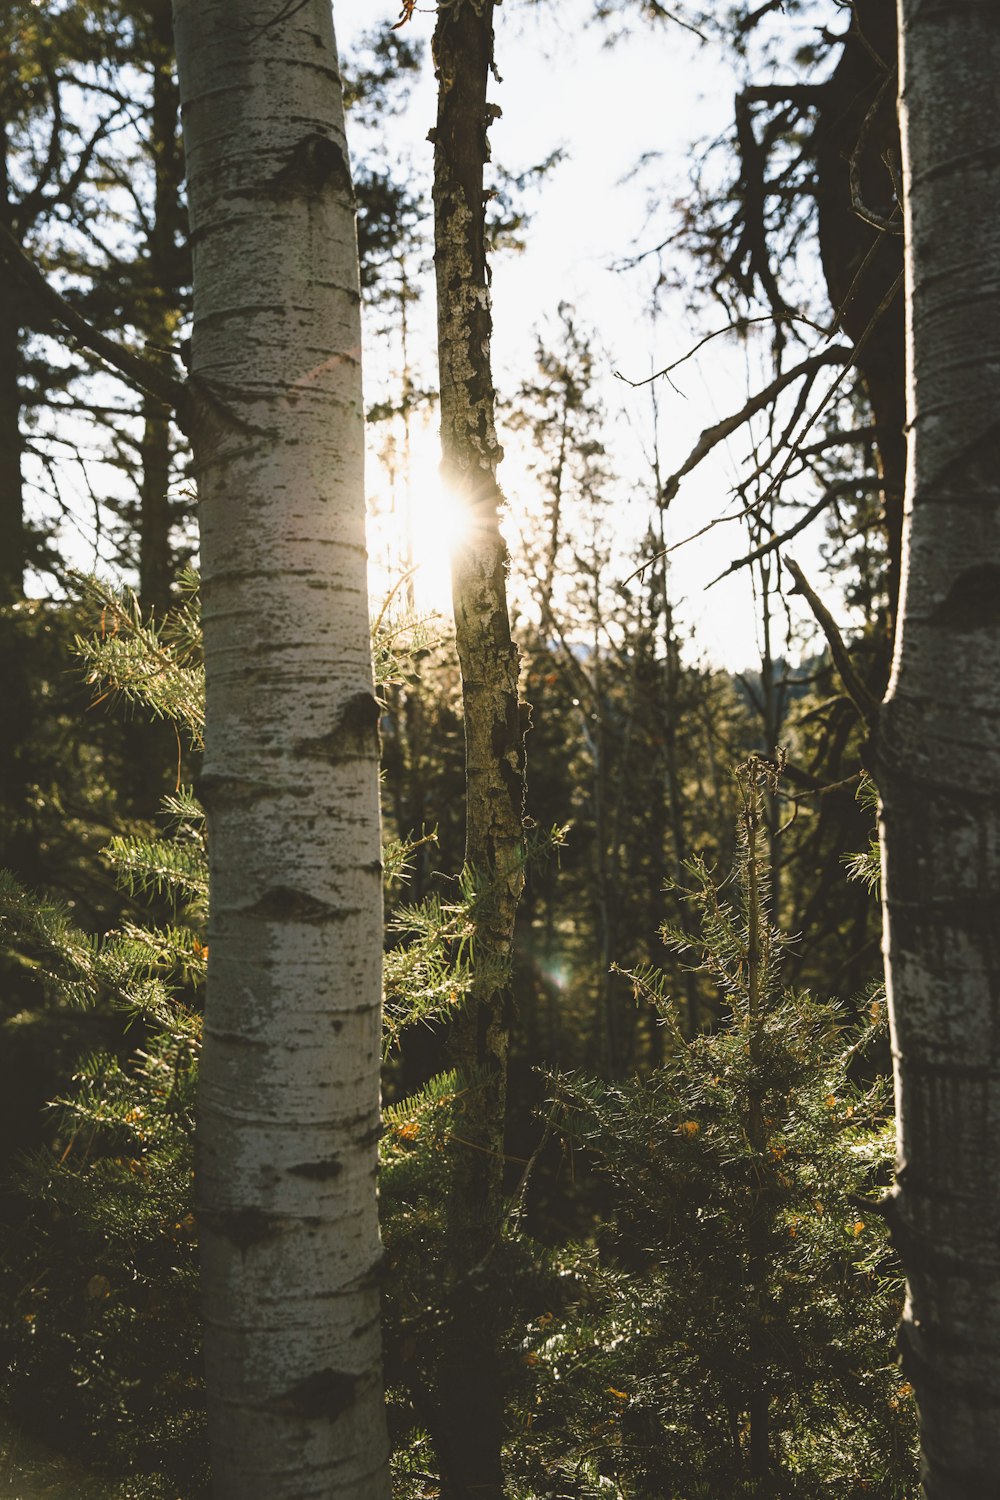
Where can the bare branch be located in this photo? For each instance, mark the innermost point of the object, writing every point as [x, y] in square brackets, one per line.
[836, 354]
[737, 327]
[139, 372]
[893, 222]
[842, 487]
[859, 695]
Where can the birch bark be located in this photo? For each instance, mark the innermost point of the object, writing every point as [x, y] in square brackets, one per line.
[469, 1435]
[938, 750]
[289, 1109]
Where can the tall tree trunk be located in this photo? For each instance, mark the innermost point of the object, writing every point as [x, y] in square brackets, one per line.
[939, 751]
[289, 1109]
[15, 774]
[12, 547]
[471, 1405]
[163, 272]
[164, 263]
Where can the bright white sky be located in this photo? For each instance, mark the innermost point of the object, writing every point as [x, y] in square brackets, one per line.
[657, 90]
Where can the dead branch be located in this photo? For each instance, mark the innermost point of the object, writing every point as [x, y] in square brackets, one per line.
[836, 354]
[841, 487]
[856, 690]
[139, 372]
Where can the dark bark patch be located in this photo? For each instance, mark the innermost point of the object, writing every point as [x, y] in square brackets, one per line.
[236, 1039]
[318, 1171]
[328, 1393]
[354, 734]
[315, 163]
[373, 1136]
[242, 1227]
[283, 904]
[973, 601]
[214, 791]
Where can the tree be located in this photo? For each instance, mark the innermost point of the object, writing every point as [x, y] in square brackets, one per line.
[288, 1112]
[938, 748]
[749, 1313]
[471, 1407]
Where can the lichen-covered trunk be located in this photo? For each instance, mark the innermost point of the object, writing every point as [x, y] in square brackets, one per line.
[289, 1107]
[469, 1434]
[939, 751]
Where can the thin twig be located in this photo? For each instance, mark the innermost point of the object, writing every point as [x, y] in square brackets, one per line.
[738, 327]
[515, 1211]
[712, 436]
[842, 486]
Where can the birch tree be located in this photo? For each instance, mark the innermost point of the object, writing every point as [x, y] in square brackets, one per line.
[939, 751]
[289, 1090]
[469, 1435]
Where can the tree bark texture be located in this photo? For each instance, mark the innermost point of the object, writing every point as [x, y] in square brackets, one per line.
[469, 1437]
[289, 1106]
[857, 148]
[938, 751]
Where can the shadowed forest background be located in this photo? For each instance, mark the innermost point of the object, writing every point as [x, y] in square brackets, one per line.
[686, 1288]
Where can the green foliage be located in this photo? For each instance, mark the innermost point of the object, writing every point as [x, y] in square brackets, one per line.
[739, 1335]
[156, 666]
[103, 1332]
[867, 866]
[101, 1275]
[741, 1277]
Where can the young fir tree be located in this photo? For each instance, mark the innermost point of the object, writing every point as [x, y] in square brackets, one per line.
[742, 1342]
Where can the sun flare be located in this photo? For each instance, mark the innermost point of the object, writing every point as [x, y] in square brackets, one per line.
[415, 522]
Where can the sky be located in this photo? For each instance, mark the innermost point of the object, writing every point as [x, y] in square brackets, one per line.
[654, 95]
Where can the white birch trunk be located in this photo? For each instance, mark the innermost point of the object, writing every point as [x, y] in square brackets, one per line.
[938, 752]
[289, 1108]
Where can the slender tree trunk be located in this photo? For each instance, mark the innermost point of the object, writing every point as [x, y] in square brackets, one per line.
[471, 1403]
[939, 751]
[12, 548]
[156, 562]
[18, 712]
[289, 1110]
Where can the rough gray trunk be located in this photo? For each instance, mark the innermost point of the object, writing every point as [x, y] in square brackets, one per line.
[289, 1108]
[469, 1436]
[939, 750]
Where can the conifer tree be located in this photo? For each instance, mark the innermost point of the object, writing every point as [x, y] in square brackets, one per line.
[737, 1336]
